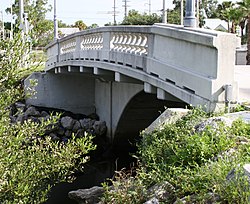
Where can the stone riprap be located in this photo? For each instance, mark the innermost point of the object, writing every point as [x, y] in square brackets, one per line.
[67, 125]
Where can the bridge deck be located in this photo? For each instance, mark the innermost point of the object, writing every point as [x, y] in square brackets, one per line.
[242, 76]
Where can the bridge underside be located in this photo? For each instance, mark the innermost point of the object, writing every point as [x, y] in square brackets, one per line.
[125, 106]
[139, 113]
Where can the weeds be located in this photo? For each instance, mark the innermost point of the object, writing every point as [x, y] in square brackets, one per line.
[195, 162]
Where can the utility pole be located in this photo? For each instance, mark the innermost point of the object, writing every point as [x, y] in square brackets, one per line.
[182, 12]
[149, 7]
[125, 8]
[164, 15]
[55, 22]
[114, 13]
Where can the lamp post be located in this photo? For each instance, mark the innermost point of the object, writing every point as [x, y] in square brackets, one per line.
[164, 15]
[182, 12]
[190, 20]
[55, 22]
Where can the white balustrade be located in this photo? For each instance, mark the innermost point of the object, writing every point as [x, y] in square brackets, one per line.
[133, 43]
[92, 41]
[68, 46]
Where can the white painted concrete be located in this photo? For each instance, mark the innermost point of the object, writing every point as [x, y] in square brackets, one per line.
[242, 76]
[103, 69]
[68, 92]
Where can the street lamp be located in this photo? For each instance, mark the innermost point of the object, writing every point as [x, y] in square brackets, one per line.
[182, 12]
[164, 15]
[55, 22]
[190, 19]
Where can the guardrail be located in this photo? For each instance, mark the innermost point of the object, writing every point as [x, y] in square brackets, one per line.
[196, 60]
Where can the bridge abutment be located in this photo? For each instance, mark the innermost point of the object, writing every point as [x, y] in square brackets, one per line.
[62, 91]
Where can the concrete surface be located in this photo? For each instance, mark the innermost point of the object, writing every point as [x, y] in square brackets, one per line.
[242, 76]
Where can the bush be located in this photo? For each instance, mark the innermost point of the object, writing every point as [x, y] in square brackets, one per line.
[30, 164]
[195, 162]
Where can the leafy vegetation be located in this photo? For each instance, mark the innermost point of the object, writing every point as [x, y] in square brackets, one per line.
[196, 163]
[135, 18]
[30, 163]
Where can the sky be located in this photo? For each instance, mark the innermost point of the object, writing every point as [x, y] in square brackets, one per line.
[94, 11]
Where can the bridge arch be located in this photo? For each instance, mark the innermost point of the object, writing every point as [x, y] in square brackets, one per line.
[193, 65]
[142, 109]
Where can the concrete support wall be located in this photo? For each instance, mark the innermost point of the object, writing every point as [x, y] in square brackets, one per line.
[111, 99]
[241, 57]
[70, 92]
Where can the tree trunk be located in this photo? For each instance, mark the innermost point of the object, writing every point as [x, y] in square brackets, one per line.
[248, 40]
[242, 26]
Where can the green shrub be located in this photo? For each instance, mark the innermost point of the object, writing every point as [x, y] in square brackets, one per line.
[195, 163]
[30, 164]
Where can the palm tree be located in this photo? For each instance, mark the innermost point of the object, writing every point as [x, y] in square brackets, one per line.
[245, 7]
[80, 24]
[235, 16]
[224, 11]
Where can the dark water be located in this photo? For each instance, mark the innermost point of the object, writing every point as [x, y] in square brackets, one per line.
[95, 173]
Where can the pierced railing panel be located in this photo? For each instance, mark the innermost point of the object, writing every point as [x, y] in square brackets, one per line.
[133, 43]
[68, 46]
[92, 42]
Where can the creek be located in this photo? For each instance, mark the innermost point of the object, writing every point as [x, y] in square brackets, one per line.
[95, 172]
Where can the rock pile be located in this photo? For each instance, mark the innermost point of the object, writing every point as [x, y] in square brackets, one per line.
[68, 124]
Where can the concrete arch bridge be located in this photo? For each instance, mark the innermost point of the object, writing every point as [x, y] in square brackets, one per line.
[127, 74]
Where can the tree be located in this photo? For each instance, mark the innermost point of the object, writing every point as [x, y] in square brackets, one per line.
[62, 24]
[245, 8]
[80, 24]
[41, 28]
[30, 164]
[224, 11]
[210, 8]
[135, 18]
[94, 25]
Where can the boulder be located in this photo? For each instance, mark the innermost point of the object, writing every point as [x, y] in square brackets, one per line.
[51, 128]
[76, 126]
[162, 192]
[60, 131]
[152, 201]
[20, 106]
[213, 122]
[31, 111]
[80, 133]
[21, 118]
[67, 122]
[99, 127]
[245, 173]
[54, 137]
[87, 196]
[68, 133]
[170, 115]
[44, 114]
[86, 123]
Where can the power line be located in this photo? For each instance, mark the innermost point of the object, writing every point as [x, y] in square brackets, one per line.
[114, 12]
[125, 7]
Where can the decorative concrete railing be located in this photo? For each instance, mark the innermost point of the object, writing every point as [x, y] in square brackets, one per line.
[84, 44]
[198, 61]
[92, 42]
[133, 43]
